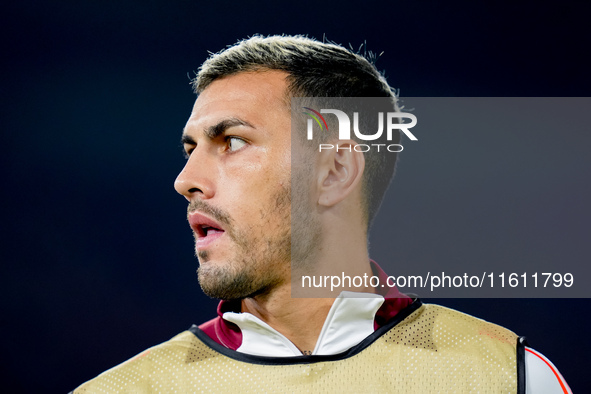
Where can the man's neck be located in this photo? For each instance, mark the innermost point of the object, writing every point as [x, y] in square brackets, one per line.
[298, 319]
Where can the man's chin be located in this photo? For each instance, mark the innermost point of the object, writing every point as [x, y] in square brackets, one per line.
[219, 282]
[222, 282]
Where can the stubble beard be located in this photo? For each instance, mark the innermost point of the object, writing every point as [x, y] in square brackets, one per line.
[260, 259]
[263, 261]
[306, 235]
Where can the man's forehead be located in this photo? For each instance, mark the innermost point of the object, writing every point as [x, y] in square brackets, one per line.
[253, 97]
[264, 86]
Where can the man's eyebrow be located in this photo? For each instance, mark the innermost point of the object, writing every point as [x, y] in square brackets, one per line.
[218, 129]
[187, 139]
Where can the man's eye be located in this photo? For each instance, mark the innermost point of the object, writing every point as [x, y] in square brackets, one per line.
[187, 152]
[235, 143]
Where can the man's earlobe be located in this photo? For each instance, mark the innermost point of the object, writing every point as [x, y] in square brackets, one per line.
[340, 173]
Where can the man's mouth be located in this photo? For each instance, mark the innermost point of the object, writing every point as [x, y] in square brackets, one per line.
[206, 229]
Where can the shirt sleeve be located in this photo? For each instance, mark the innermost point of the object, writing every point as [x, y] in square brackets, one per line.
[541, 376]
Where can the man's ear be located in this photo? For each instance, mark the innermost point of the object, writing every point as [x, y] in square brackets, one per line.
[341, 170]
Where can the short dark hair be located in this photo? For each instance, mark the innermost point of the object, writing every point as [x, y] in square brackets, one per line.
[315, 69]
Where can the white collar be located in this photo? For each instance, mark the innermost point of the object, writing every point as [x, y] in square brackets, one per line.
[349, 321]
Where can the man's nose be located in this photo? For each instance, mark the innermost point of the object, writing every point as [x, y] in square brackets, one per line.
[197, 177]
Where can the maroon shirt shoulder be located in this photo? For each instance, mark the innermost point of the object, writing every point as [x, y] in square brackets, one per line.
[394, 300]
[224, 332]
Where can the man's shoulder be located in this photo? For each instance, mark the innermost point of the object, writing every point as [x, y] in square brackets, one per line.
[440, 329]
[447, 319]
[135, 374]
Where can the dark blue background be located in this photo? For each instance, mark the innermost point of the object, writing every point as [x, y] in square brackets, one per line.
[96, 254]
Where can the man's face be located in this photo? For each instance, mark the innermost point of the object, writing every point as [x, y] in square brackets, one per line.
[237, 182]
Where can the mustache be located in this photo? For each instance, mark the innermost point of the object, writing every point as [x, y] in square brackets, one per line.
[216, 213]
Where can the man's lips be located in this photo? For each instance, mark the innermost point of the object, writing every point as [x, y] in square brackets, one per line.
[206, 229]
